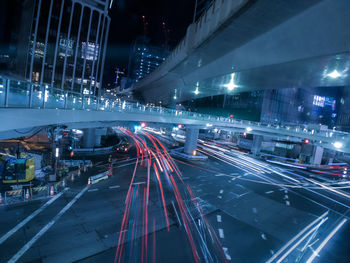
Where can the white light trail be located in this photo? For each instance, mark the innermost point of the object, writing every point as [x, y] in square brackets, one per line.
[319, 248]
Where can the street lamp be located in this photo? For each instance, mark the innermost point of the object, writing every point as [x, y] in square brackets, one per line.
[338, 145]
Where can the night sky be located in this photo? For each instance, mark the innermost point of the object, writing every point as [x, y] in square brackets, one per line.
[127, 24]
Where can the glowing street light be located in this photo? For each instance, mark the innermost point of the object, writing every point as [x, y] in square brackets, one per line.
[231, 85]
[248, 129]
[334, 74]
[196, 92]
[338, 145]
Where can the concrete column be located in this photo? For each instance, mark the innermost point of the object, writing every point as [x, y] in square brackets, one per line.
[92, 137]
[191, 140]
[98, 135]
[317, 155]
[257, 140]
[89, 138]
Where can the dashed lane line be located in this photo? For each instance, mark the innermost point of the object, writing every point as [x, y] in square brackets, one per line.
[27, 246]
[114, 186]
[30, 217]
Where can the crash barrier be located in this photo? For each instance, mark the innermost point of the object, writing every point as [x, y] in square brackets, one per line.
[98, 177]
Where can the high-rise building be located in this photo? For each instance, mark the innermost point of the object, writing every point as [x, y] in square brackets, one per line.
[144, 58]
[58, 43]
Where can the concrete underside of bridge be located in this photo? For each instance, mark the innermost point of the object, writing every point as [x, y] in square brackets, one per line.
[19, 122]
[266, 43]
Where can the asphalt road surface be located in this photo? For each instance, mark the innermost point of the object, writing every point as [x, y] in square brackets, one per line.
[254, 212]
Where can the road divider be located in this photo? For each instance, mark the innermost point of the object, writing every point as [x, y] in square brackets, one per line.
[98, 177]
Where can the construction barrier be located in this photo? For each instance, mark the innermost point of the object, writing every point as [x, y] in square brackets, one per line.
[14, 196]
[39, 192]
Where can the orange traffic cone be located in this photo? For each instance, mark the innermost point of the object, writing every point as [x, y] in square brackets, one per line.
[110, 170]
[1, 202]
[27, 197]
[89, 181]
[52, 192]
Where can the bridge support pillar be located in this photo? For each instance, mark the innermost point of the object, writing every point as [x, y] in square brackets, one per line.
[191, 140]
[89, 138]
[92, 137]
[317, 155]
[257, 141]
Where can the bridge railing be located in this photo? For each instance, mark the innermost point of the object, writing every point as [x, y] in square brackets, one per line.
[22, 94]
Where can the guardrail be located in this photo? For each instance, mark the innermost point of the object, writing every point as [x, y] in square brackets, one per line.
[22, 94]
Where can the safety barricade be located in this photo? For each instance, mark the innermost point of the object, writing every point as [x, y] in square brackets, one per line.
[14, 196]
[39, 192]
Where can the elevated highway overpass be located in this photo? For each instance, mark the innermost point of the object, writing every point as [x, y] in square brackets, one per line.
[25, 108]
[244, 45]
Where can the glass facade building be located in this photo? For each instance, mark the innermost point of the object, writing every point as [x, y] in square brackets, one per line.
[144, 58]
[61, 43]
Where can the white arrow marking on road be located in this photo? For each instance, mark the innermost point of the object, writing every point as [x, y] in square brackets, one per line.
[25, 221]
[47, 227]
[227, 255]
[221, 233]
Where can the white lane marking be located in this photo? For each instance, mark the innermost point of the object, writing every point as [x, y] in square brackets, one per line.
[286, 196]
[139, 183]
[287, 203]
[263, 236]
[331, 234]
[221, 233]
[93, 190]
[30, 217]
[269, 192]
[255, 211]
[227, 255]
[114, 186]
[47, 227]
[292, 248]
[296, 237]
[221, 191]
[218, 218]
[219, 196]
